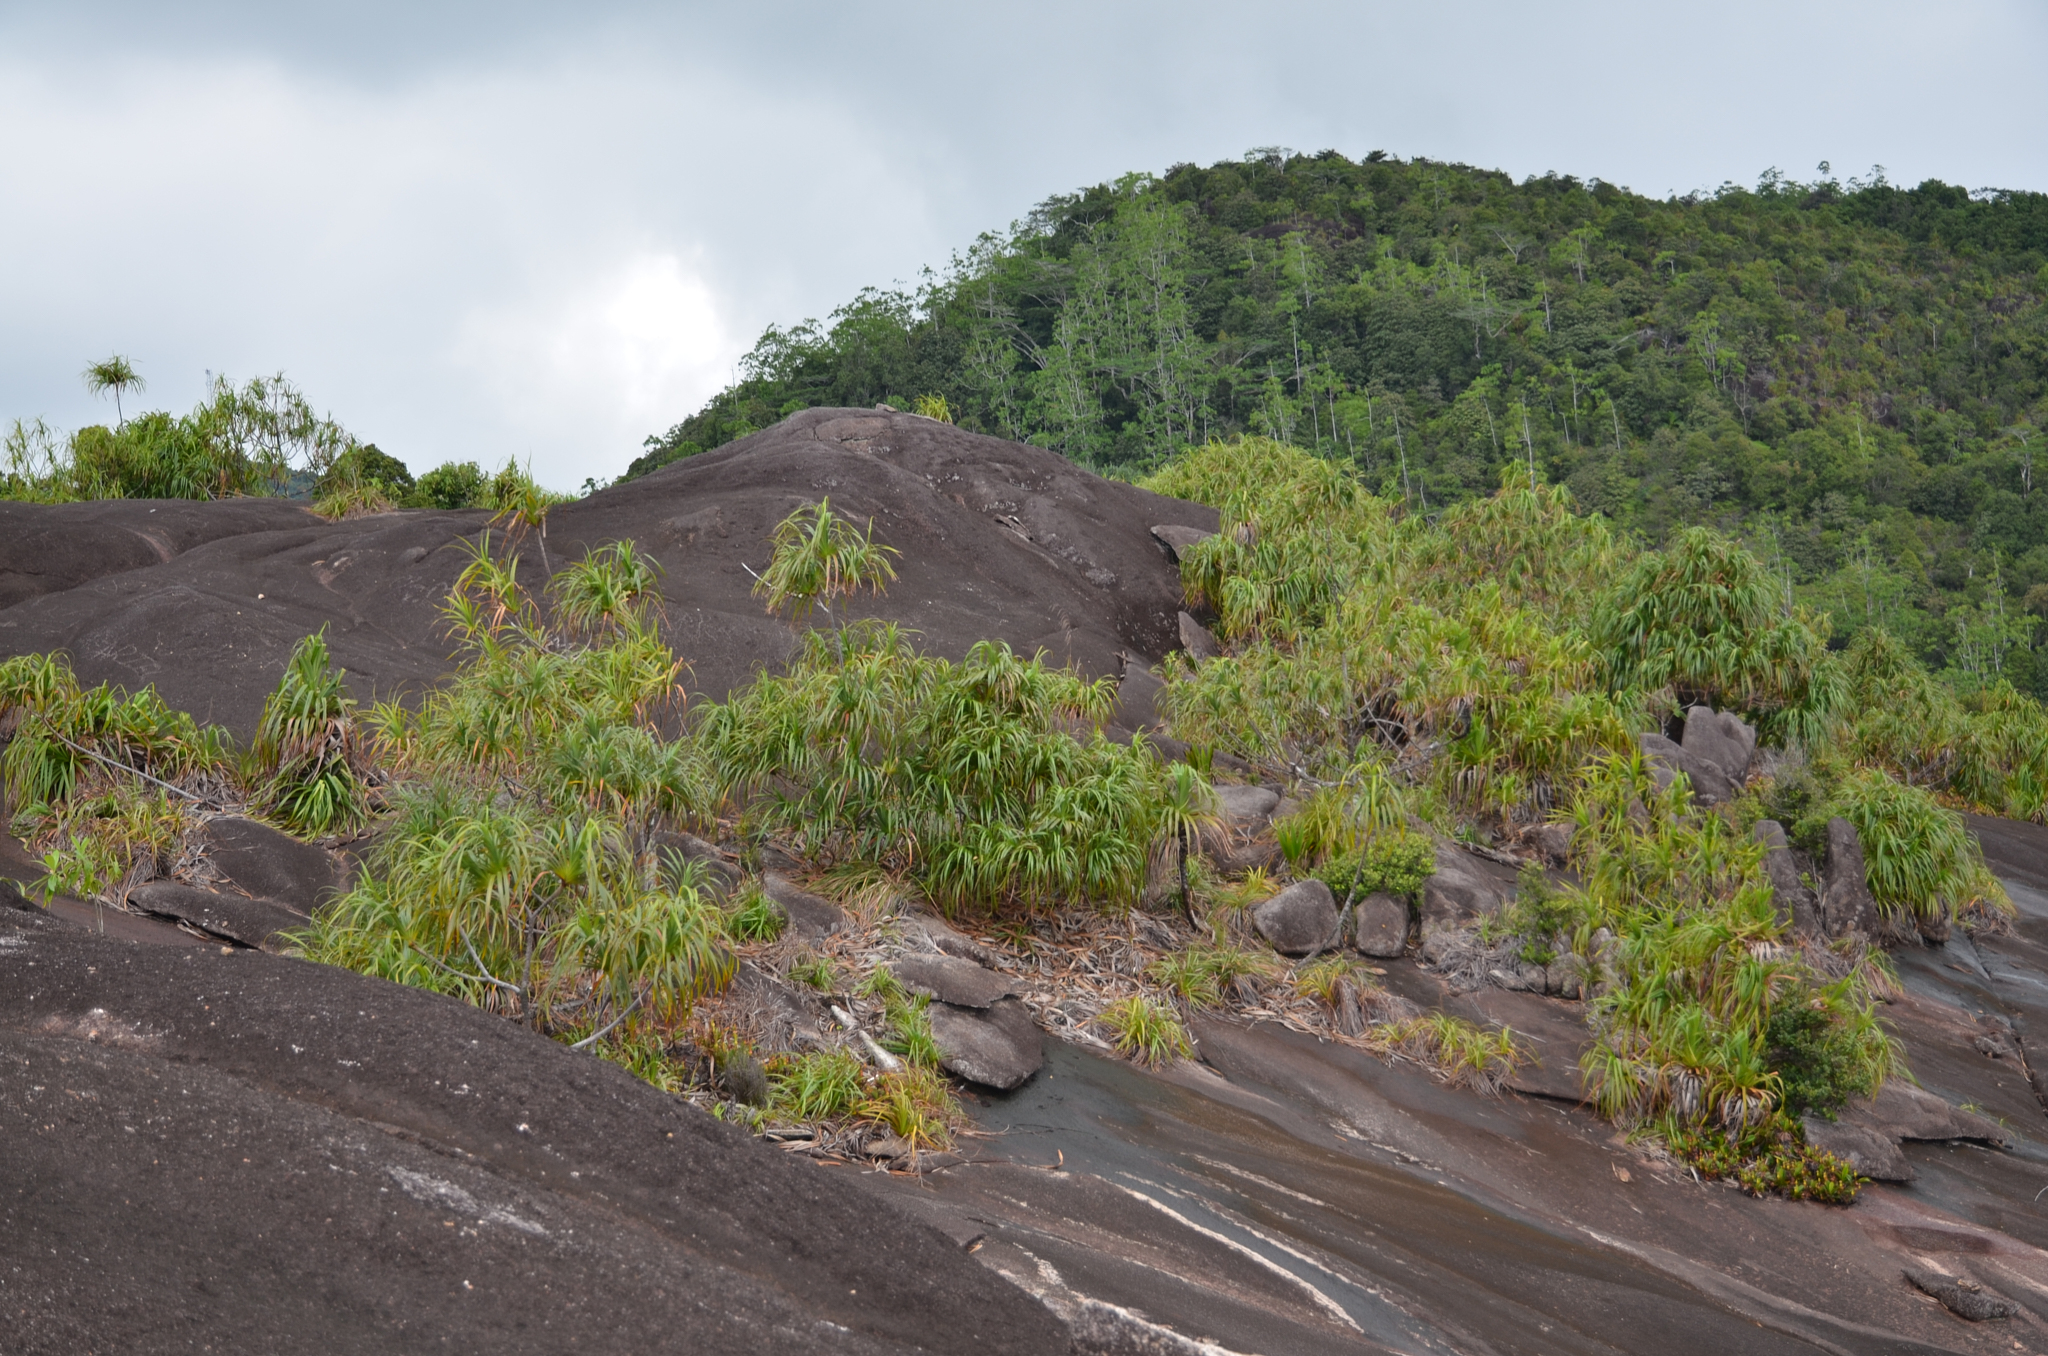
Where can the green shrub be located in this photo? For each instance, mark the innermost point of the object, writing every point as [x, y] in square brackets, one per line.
[451, 485]
[365, 463]
[1818, 1060]
[1540, 915]
[1395, 864]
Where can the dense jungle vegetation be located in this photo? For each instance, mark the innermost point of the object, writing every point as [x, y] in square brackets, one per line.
[1850, 377]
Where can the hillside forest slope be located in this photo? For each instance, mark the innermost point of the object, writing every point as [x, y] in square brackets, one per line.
[1848, 375]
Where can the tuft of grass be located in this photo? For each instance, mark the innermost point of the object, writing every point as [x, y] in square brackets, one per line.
[645, 1056]
[1477, 1057]
[816, 971]
[753, 916]
[1201, 974]
[1319, 978]
[819, 1085]
[916, 1106]
[1145, 1029]
[910, 1031]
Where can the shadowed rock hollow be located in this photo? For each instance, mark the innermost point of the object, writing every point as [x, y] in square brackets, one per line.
[999, 540]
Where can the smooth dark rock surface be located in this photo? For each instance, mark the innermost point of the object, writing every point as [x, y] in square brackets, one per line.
[1000, 540]
[271, 864]
[252, 922]
[255, 1154]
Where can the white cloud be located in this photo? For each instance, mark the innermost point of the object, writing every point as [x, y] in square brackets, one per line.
[596, 368]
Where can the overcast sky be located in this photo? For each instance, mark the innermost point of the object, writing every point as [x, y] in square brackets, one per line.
[479, 230]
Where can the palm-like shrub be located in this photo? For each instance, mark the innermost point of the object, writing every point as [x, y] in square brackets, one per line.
[308, 748]
[1921, 861]
[1705, 620]
[817, 556]
[520, 870]
[969, 775]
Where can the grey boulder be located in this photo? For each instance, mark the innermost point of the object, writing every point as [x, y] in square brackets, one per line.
[1870, 1153]
[1382, 925]
[1553, 841]
[1300, 920]
[1845, 902]
[1178, 539]
[808, 915]
[1667, 758]
[1246, 806]
[949, 979]
[1242, 840]
[1797, 905]
[998, 1046]
[1198, 640]
[1722, 738]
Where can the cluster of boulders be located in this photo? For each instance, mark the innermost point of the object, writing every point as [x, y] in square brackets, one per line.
[983, 1031]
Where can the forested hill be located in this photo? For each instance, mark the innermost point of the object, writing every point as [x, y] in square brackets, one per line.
[1854, 377]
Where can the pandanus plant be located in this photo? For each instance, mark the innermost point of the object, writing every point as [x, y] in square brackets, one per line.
[308, 746]
[818, 556]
